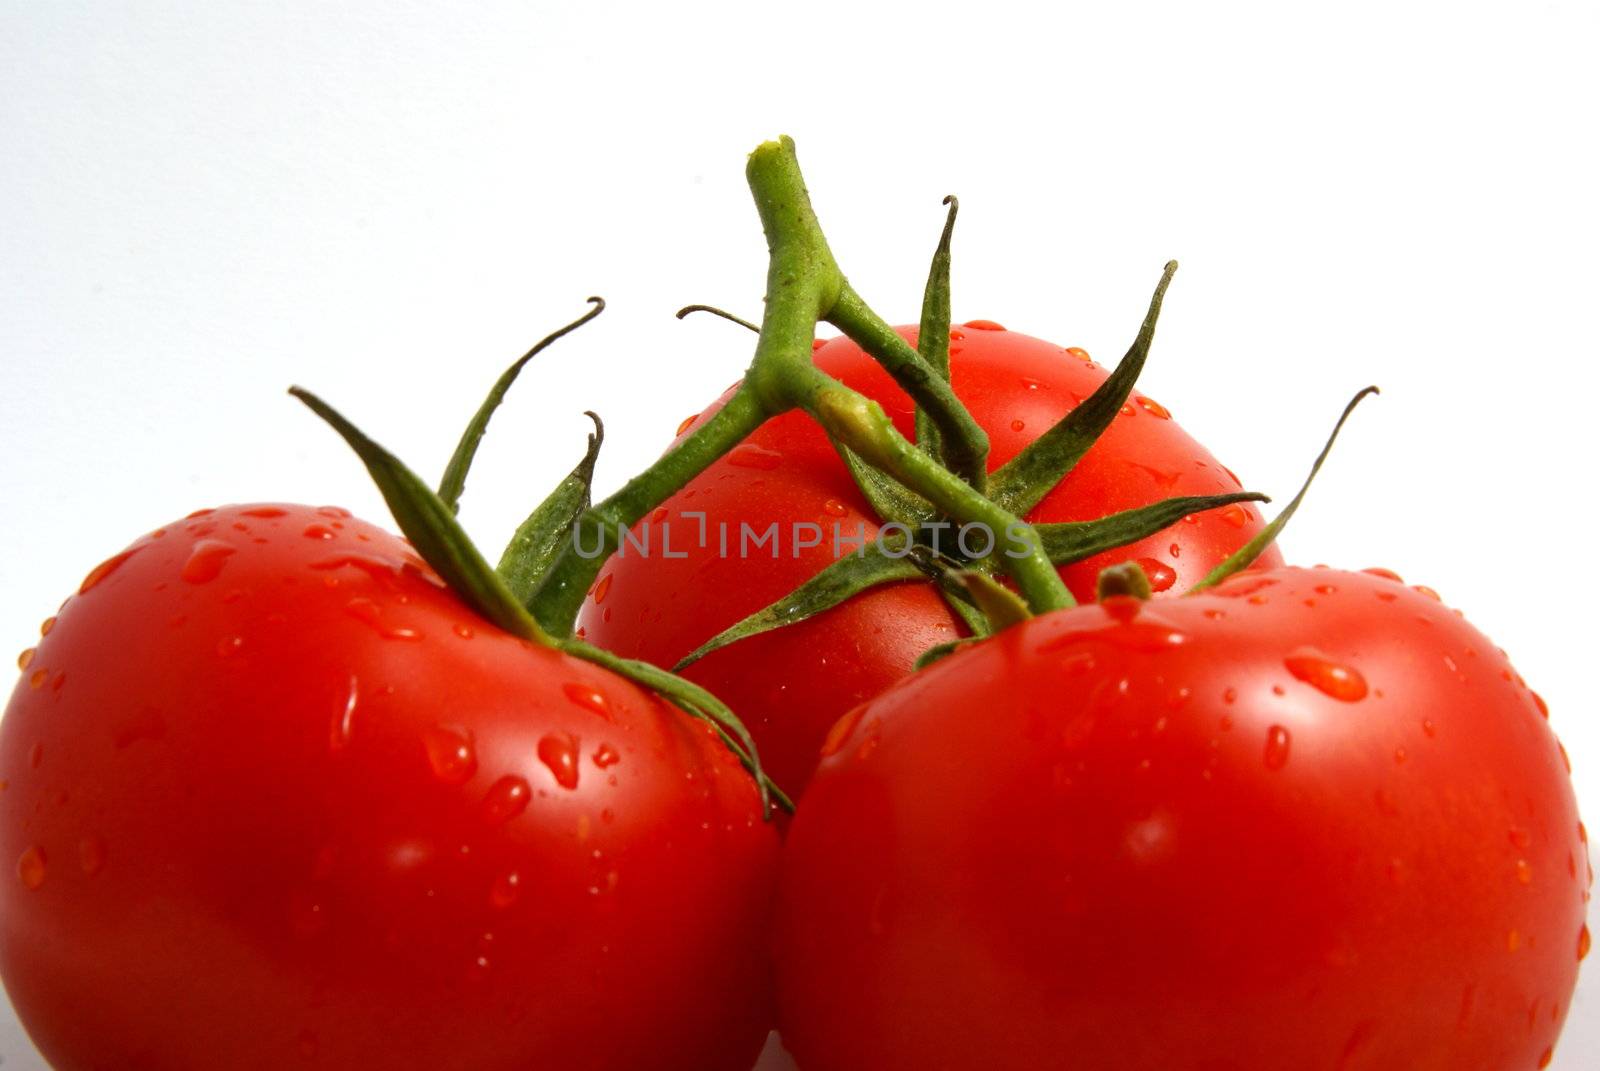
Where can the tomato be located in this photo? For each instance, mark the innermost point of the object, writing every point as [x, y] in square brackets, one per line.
[274, 798]
[1312, 819]
[790, 685]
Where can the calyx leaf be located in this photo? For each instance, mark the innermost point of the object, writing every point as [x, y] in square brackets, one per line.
[454, 480]
[1247, 554]
[933, 336]
[540, 538]
[1073, 541]
[1020, 483]
[890, 499]
[432, 527]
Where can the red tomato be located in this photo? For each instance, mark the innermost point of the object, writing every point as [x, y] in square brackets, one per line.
[789, 686]
[273, 798]
[1311, 820]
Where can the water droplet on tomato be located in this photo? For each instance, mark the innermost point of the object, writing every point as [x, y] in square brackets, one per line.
[1276, 752]
[606, 755]
[1162, 576]
[318, 531]
[1584, 943]
[683, 426]
[1127, 409]
[559, 753]
[589, 699]
[506, 798]
[31, 867]
[229, 646]
[264, 512]
[834, 508]
[1387, 574]
[1423, 589]
[751, 456]
[25, 659]
[1155, 408]
[451, 754]
[206, 561]
[1236, 515]
[1524, 872]
[505, 890]
[602, 588]
[1331, 678]
[1538, 701]
[1018, 425]
[104, 569]
[983, 325]
[1547, 1057]
[367, 612]
[92, 855]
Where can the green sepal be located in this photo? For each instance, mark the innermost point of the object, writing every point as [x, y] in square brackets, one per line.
[970, 615]
[890, 499]
[933, 336]
[696, 702]
[1073, 541]
[454, 480]
[1020, 483]
[540, 539]
[1000, 605]
[846, 577]
[724, 313]
[1247, 554]
[433, 530]
[944, 650]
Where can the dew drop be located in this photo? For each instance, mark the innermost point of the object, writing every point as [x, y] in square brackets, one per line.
[265, 512]
[206, 561]
[834, 508]
[506, 798]
[683, 425]
[451, 754]
[1236, 515]
[588, 698]
[751, 456]
[25, 659]
[464, 631]
[1080, 353]
[103, 570]
[344, 716]
[367, 612]
[1018, 425]
[606, 755]
[1155, 408]
[1423, 589]
[1342, 682]
[559, 753]
[1276, 752]
[1162, 576]
[1538, 701]
[318, 531]
[1387, 574]
[1584, 943]
[31, 867]
[983, 325]
[841, 731]
[229, 646]
[46, 625]
[1524, 872]
[602, 588]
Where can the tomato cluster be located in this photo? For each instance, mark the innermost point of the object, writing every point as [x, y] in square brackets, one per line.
[283, 789]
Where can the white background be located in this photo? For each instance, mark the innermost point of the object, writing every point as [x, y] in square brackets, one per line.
[201, 203]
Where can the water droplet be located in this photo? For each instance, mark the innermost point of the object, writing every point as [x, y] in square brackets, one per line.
[1018, 425]
[1524, 872]
[606, 755]
[505, 890]
[91, 855]
[451, 754]
[1584, 943]
[464, 631]
[25, 659]
[1513, 941]
[1162, 576]
[206, 560]
[1387, 574]
[1342, 682]
[1423, 589]
[1236, 515]
[229, 646]
[367, 612]
[834, 508]
[1276, 752]
[559, 752]
[1162, 477]
[602, 588]
[506, 798]
[318, 531]
[589, 699]
[1538, 701]
[1127, 409]
[983, 325]
[1547, 1057]
[683, 426]
[46, 625]
[265, 512]
[344, 716]
[104, 569]
[751, 456]
[31, 867]
[1155, 408]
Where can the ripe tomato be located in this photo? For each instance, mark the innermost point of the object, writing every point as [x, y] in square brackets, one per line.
[273, 798]
[790, 685]
[1312, 819]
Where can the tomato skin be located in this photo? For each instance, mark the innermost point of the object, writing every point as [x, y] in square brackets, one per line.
[261, 801]
[1175, 839]
[791, 685]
